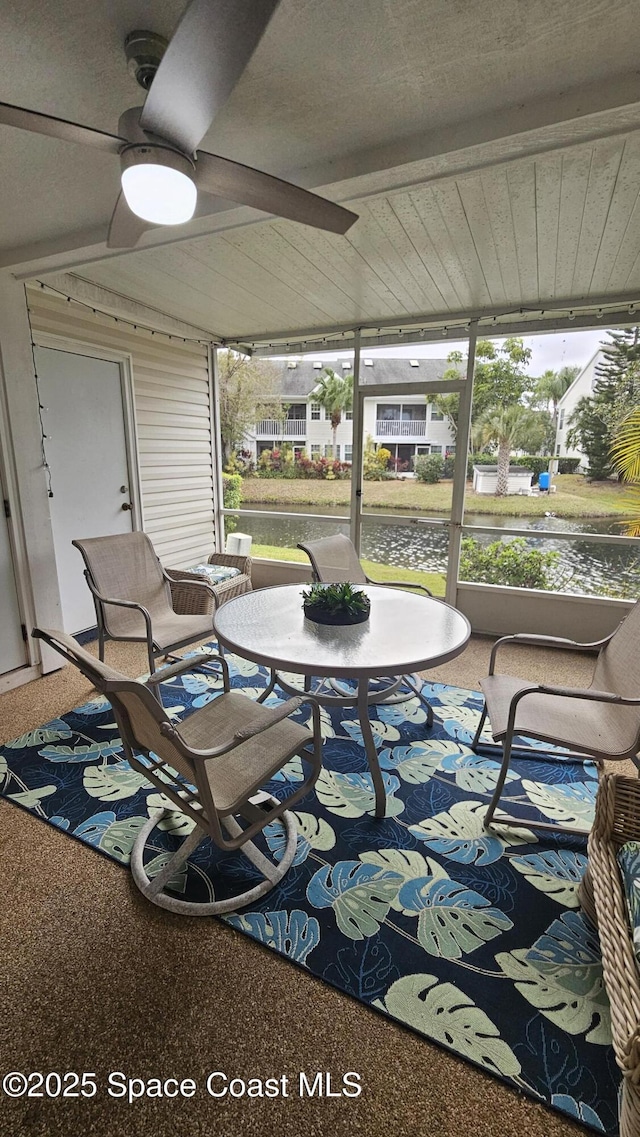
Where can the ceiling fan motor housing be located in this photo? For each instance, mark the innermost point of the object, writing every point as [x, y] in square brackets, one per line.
[144, 51]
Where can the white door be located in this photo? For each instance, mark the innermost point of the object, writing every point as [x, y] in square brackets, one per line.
[13, 651]
[86, 447]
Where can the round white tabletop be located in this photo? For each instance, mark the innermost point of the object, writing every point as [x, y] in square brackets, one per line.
[404, 633]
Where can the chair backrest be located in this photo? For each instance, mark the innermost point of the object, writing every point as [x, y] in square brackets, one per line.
[618, 665]
[138, 714]
[334, 560]
[124, 566]
[618, 670]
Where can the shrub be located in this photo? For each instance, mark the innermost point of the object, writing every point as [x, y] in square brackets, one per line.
[449, 462]
[479, 460]
[507, 562]
[231, 498]
[535, 462]
[429, 468]
[375, 463]
[568, 465]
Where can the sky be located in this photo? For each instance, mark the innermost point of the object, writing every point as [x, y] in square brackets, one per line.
[552, 351]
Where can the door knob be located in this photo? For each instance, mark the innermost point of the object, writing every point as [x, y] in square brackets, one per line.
[127, 505]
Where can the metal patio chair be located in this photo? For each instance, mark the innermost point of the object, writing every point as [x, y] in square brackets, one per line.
[334, 561]
[601, 721]
[211, 765]
[132, 596]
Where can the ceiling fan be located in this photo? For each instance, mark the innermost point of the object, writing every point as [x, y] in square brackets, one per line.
[188, 81]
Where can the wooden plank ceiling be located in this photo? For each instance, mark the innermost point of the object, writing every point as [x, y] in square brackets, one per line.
[563, 225]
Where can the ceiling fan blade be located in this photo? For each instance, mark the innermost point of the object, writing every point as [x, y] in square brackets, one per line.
[59, 128]
[246, 186]
[208, 52]
[125, 229]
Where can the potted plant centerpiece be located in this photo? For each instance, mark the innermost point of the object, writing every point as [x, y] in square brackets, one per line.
[336, 604]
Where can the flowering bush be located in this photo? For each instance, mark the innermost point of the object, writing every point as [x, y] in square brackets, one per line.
[283, 464]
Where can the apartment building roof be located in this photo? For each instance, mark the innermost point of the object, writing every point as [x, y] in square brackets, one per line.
[299, 377]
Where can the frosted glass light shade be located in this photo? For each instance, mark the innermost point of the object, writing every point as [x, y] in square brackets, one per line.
[159, 194]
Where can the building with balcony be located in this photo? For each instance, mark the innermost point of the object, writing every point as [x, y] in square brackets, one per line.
[405, 426]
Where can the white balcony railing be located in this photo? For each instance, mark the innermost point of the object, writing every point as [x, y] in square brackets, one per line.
[287, 428]
[401, 428]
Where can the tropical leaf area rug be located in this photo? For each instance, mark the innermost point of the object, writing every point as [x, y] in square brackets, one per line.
[471, 938]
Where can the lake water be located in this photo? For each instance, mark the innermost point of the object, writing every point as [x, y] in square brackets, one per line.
[583, 567]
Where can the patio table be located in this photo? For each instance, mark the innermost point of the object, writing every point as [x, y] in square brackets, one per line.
[404, 633]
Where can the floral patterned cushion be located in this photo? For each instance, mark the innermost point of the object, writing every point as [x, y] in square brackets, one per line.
[216, 574]
[629, 862]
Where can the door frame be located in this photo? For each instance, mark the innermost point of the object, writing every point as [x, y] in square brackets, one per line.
[125, 363]
[18, 553]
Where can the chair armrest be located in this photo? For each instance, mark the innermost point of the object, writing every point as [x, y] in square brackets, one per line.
[400, 584]
[188, 664]
[231, 560]
[278, 714]
[542, 641]
[121, 604]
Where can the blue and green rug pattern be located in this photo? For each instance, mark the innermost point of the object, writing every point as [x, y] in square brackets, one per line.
[471, 938]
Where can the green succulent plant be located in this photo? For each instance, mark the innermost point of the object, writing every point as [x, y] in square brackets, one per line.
[336, 598]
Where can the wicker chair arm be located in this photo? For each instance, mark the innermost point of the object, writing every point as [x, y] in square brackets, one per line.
[231, 560]
[188, 578]
[617, 796]
[542, 641]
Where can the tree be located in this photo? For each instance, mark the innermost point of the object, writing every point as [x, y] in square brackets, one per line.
[616, 392]
[507, 427]
[250, 389]
[500, 378]
[546, 394]
[625, 453]
[335, 394]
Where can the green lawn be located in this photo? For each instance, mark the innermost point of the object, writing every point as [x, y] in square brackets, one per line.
[575, 497]
[434, 581]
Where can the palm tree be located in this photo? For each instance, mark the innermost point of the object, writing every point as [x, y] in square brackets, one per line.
[335, 394]
[626, 459]
[507, 427]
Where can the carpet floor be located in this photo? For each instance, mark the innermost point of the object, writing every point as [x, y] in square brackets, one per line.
[435, 871]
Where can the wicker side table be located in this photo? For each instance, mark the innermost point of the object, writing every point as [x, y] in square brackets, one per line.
[617, 821]
[198, 601]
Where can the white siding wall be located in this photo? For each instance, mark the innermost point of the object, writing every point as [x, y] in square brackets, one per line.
[581, 387]
[173, 417]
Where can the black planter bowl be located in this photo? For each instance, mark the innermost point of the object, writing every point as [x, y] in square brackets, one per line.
[319, 615]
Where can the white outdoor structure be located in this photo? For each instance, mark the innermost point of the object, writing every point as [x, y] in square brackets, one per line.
[485, 479]
[492, 200]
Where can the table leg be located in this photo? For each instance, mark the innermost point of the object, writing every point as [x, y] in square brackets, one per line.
[370, 747]
[272, 682]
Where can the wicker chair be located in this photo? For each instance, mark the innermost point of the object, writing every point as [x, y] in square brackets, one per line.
[211, 765]
[131, 593]
[600, 721]
[617, 821]
[198, 602]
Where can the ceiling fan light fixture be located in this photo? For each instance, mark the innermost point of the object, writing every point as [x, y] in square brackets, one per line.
[158, 184]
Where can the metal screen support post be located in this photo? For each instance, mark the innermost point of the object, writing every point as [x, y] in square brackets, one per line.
[460, 469]
[216, 448]
[357, 451]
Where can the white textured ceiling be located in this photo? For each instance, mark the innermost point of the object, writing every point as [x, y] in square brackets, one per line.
[369, 101]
